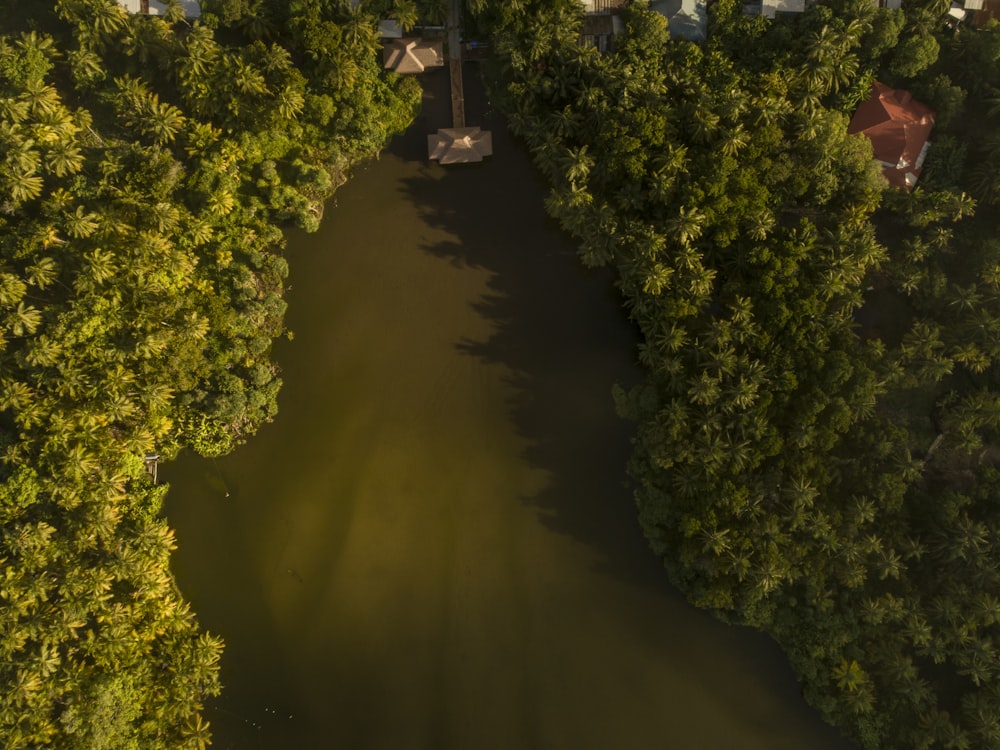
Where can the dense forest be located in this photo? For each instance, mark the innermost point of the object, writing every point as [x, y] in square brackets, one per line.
[146, 167]
[816, 449]
[817, 446]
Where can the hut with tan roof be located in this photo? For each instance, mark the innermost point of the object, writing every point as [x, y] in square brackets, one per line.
[459, 145]
[898, 127]
[410, 55]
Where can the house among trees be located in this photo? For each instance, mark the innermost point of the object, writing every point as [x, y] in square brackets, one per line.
[601, 7]
[192, 8]
[599, 30]
[686, 19]
[898, 127]
[771, 8]
[601, 23]
[990, 9]
[972, 10]
[410, 55]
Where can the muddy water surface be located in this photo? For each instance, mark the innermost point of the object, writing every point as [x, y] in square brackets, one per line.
[433, 547]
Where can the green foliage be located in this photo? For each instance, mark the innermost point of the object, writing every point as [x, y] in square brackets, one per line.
[146, 164]
[828, 481]
[914, 54]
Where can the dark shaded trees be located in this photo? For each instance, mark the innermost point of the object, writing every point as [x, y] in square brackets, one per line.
[785, 460]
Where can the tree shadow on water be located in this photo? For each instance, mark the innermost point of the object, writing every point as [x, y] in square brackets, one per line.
[558, 329]
[562, 334]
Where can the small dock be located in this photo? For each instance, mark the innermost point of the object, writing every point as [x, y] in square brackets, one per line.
[458, 144]
[455, 64]
[151, 462]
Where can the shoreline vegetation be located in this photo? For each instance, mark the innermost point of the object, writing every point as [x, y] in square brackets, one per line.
[816, 438]
[147, 166]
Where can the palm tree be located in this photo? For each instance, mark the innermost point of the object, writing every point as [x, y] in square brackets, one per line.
[687, 225]
[577, 164]
[704, 390]
[221, 202]
[24, 186]
[406, 14]
[104, 19]
[703, 123]
[173, 11]
[42, 273]
[80, 224]
[564, 122]
[199, 737]
[13, 111]
[360, 31]
[24, 320]
[435, 12]
[102, 265]
[63, 159]
[290, 103]
[762, 221]
[86, 66]
[42, 98]
[982, 714]
[717, 541]
[844, 72]
[246, 78]
[43, 352]
[657, 279]
[149, 41]
[733, 141]
[21, 154]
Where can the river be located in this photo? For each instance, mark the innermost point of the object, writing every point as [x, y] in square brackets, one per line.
[434, 546]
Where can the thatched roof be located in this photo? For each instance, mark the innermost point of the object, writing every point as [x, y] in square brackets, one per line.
[459, 145]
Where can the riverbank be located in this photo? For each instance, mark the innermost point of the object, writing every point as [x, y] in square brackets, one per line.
[445, 479]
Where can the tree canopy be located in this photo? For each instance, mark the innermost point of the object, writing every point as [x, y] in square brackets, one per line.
[815, 446]
[147, 165]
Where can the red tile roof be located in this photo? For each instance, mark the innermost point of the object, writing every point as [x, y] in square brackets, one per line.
[898, 127]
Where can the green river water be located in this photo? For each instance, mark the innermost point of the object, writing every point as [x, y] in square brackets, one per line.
[433, 546]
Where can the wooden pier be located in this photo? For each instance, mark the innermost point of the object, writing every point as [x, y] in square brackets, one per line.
[458, 144]
[455, 64]
[151, 461]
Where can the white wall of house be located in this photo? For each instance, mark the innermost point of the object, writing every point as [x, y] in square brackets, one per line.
[771, 7]
[191, 8]
[601, 6]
